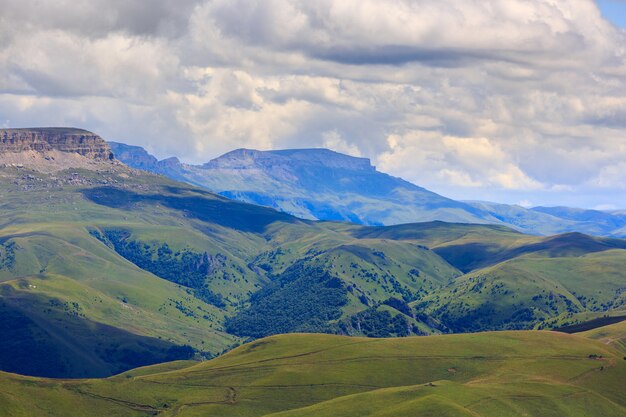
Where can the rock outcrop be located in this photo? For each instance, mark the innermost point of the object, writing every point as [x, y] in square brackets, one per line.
[69, 140]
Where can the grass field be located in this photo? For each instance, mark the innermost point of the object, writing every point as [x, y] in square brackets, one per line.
[613, 335]
[528, 373]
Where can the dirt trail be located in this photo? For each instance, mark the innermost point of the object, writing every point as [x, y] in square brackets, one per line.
[229, 399]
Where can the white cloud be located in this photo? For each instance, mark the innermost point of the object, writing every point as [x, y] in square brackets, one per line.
[504, 96]
[459, 161]
[334, 141]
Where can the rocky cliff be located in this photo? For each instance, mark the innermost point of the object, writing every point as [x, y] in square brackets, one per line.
[43, 140]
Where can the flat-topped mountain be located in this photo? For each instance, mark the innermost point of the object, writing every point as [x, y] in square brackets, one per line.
[61, 139]
[326, 185]
[311, 183]
[246, 158]
[53, 149]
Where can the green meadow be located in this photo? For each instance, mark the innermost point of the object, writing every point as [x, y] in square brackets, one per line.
[519, 373]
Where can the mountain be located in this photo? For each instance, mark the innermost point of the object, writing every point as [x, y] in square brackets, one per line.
[104, 268]
[312, 184]
[325, 185]
[551, 220]
[524, 373]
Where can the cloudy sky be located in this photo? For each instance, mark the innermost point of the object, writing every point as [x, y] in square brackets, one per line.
[517, 101]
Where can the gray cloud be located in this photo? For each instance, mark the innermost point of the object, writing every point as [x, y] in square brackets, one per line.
[97, 18]
[507, 99]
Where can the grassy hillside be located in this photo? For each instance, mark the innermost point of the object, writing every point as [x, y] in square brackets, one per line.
[58, 280]
[482, 374]
[533, 290]
[132, 262]
[469, 247]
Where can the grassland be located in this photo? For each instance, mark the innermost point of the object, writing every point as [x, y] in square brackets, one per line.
[57, 278]
[613, 335]
[522, 373]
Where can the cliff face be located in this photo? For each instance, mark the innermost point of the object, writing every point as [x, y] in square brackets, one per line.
[67, 140]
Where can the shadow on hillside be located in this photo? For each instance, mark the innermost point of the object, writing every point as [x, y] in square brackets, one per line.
[47, 337]
[211, 209]
[469, 256]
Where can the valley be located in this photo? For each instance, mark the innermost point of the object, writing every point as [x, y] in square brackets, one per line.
[148, 296]
[290, 208]
[174, 266]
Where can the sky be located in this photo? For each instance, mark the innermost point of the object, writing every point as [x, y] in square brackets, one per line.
[514, 101]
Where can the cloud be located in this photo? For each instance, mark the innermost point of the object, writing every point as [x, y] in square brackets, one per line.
[334, 141]
[457, 161]
[98, 18]
[514, 99]
[443, 33]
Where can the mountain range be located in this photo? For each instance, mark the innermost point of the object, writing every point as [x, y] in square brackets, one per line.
[321, 184]
[106, 269]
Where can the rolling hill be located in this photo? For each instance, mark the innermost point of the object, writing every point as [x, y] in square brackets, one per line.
[482, 374]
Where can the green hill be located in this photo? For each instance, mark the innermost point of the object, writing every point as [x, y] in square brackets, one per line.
[132, 262]
[613, 335]
[482, 374]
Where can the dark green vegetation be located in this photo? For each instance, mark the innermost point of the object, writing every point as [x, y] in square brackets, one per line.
[185, 267]
[129, 262]
[300, 300]
[326, 185]
[526, 373]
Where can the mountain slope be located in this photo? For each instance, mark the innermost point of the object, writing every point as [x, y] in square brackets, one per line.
[552, 220]
[165, 261]
[130, 263]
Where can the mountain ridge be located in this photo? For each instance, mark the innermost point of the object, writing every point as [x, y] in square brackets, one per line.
[316, 183]
[322, 184]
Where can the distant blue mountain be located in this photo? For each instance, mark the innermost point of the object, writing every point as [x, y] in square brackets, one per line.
[326, 185]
